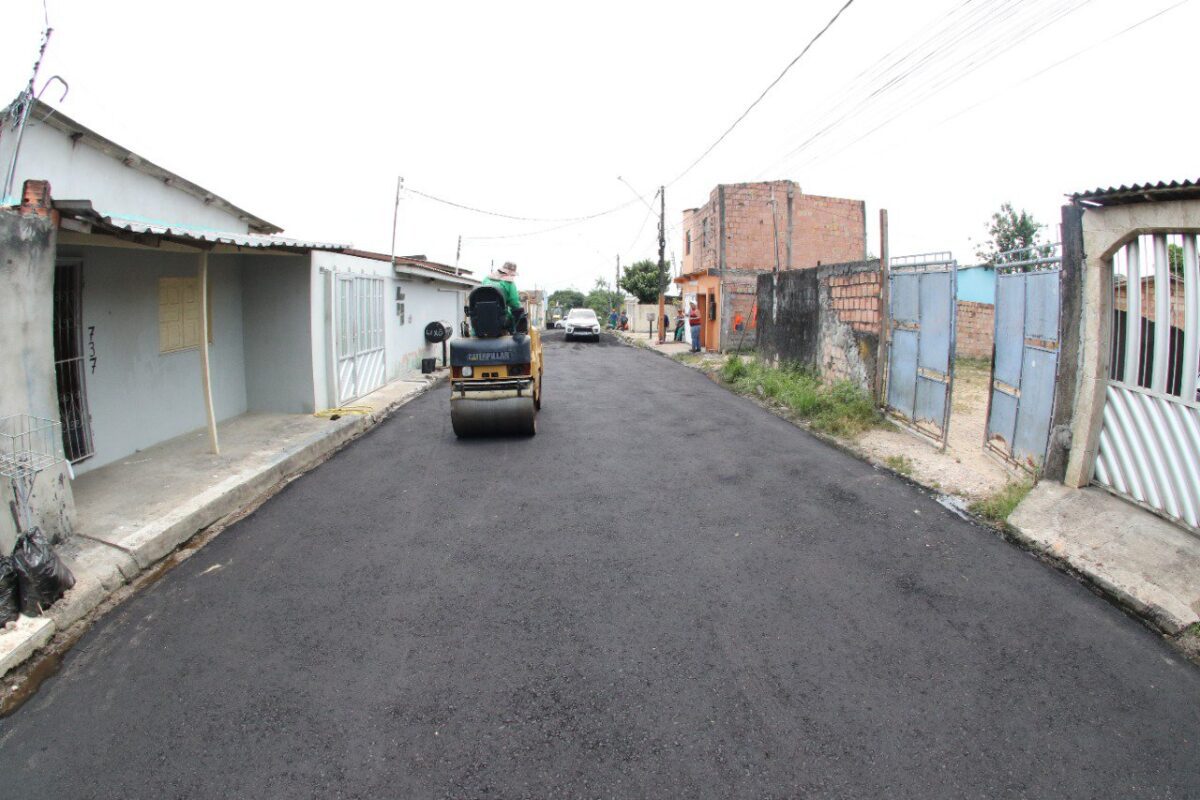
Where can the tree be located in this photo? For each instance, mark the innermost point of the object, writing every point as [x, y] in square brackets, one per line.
[1010, 230]
[566, 299]
[641, 279]
[1175, 259]
[603, 299]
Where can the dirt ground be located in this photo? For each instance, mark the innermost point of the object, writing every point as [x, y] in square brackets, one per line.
[964, 469]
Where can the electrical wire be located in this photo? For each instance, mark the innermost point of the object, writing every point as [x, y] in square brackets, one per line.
[518, 218]
[759, 99]
[981, 53]
[1062, 61]
[949, 77]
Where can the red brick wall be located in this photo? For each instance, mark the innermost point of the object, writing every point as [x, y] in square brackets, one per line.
[976, 325]
[855, 299]
[829, 230]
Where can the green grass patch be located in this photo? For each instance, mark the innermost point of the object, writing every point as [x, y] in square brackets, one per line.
[973, 364]
[901, 464]
[998, 506]
[840, 408]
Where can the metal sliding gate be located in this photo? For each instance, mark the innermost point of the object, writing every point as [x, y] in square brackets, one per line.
[1025, 364]
[1150, 435]
[358, 327]
[921, 314]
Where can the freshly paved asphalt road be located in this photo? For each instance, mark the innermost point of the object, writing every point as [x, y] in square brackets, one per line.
[667, 593]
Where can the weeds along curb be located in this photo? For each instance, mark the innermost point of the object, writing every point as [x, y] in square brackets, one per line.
[23, 681]
[1186, 642]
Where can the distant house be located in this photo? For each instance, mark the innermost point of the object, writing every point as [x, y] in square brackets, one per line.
[534, 302]
[167, 308]
[977, 284]
[743, 231]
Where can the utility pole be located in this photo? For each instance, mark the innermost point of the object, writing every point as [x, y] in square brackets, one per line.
[885, 322]
[662, 264]
[458, 255]
[617, 282]
[396, 217]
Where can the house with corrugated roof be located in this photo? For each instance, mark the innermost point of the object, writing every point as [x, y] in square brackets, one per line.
[160, 308]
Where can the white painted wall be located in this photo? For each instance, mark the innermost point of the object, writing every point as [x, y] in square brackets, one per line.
[277, 323]
[77, 171]
[138, 396]
[425, 301]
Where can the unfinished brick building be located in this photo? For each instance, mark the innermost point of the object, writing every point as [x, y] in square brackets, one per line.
[746, 229]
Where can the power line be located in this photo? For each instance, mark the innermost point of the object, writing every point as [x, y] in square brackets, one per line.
[759, 99]
[516, 217]
[957, 72]
[1062, 61]
[949, 71]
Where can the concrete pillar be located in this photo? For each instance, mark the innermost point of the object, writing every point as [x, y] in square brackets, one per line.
[28, 238]
[1105, 231]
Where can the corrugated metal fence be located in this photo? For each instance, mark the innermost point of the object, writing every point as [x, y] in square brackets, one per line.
[1150, 437]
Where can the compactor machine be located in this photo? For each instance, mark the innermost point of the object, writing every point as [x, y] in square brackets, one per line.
[495, 370]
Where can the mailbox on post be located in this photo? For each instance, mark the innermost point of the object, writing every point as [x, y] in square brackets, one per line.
[439, 331]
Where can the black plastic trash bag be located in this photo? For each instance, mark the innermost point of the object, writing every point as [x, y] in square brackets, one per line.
[9, 605]
[41, 576]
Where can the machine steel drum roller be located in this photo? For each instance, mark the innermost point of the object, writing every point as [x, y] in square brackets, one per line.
[495, 370]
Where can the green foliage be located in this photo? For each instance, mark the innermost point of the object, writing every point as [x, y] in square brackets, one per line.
[1175, 258]
[603, 300]
[641, 279]
[565, 299]
[900, 464]
[840, 408]
[1009, 230]
[733, 369]
[996, 507]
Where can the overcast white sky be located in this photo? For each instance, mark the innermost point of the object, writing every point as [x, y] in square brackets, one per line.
[305, 113]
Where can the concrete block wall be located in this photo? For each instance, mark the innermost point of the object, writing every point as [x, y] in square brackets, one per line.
[976, 329]
[850, 321]
[826, 318]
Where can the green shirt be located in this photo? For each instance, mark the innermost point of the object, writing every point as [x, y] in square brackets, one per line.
[509, 290]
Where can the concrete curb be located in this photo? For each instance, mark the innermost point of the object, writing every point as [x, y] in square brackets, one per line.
[104, 567]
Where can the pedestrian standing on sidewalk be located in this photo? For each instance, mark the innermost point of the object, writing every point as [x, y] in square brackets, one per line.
[694, 324]
[679, 323]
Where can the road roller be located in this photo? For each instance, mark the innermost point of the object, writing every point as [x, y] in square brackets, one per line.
[495, 370]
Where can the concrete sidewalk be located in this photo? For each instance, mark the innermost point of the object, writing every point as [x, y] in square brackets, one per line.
[1141, 561]
[670, 347]
[133, 513]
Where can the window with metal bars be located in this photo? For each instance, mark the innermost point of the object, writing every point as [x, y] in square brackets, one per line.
[71, 362]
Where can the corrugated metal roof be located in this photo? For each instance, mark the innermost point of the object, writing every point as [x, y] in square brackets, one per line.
[218, 237]
[43, 113]
[1141, 193]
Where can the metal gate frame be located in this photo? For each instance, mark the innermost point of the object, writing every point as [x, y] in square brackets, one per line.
[909, 314]
[1021, 388]
[358, 335]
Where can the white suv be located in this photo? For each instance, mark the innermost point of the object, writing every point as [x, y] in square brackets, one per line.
[582, 322]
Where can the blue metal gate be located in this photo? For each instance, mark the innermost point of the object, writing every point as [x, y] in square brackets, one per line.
[921, 319]
[1025, 361]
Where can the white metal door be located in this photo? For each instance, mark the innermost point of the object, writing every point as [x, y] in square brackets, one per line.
[1150, 437]
[358, 334]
